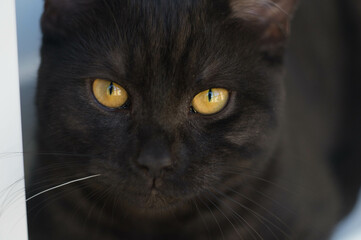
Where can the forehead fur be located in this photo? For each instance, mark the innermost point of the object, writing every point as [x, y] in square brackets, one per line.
[152, 45]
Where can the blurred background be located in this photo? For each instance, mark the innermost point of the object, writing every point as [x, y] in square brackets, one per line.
[29, 41]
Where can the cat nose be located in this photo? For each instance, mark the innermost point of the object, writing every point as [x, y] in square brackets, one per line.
[154, 158]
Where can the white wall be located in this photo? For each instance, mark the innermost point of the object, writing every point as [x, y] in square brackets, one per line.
[12, 194]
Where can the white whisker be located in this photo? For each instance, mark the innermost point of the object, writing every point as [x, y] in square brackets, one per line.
[62, 185]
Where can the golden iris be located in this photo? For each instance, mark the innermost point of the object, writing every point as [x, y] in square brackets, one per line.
[210, 101]
[109, 93]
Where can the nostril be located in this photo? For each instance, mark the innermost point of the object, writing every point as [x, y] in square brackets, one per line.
[154, 166]
[154, 157]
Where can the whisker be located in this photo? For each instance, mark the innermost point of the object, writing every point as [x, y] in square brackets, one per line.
[295, 186]
[94, 205]
[214, 217]
[62, 185]
[259, 205]
[11, 199]
[8, 189]
[114, 206]
[272, 200]
[39, 206]
[88, 196]
[255, 213]
[260, 179]
[225, 217]
[106, 196]
[239, 217]
[200, 214]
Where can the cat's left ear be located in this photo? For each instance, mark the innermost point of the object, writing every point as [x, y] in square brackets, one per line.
[270, 18]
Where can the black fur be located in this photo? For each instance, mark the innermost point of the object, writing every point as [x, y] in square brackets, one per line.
[243, 173]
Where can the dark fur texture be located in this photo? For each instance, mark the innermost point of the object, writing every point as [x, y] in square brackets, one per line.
[247, 172]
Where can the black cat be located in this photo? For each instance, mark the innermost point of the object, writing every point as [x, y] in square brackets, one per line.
[177, 122]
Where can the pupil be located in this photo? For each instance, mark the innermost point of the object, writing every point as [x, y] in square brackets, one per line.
[111, 88]
[210, 94]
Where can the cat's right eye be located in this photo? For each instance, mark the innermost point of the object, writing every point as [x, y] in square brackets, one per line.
[109, 94]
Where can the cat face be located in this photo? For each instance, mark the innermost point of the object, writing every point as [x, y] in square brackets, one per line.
[156, 152]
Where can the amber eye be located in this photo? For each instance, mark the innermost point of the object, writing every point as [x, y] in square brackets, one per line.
[210, 101]
[109, 93]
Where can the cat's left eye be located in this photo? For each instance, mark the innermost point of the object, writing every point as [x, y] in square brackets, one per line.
[109, 94]
[210, 101]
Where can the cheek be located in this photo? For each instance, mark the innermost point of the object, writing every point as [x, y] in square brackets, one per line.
[244, 140]
[197, 156]
[88, 134]
[114, 162]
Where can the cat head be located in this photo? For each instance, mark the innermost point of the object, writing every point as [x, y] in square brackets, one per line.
[158, 149]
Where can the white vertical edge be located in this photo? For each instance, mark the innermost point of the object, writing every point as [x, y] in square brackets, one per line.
[13, 222]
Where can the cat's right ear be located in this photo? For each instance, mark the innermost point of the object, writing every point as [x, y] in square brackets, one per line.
[269, 18]
[59, 16]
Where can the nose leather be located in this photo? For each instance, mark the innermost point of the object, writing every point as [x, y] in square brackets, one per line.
[154, 157]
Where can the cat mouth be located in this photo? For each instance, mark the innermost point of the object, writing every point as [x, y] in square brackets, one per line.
[158, 199]
[153, 198]
[154, 202]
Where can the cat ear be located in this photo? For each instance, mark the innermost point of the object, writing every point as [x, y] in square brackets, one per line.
[271, 18]
[59, 15]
